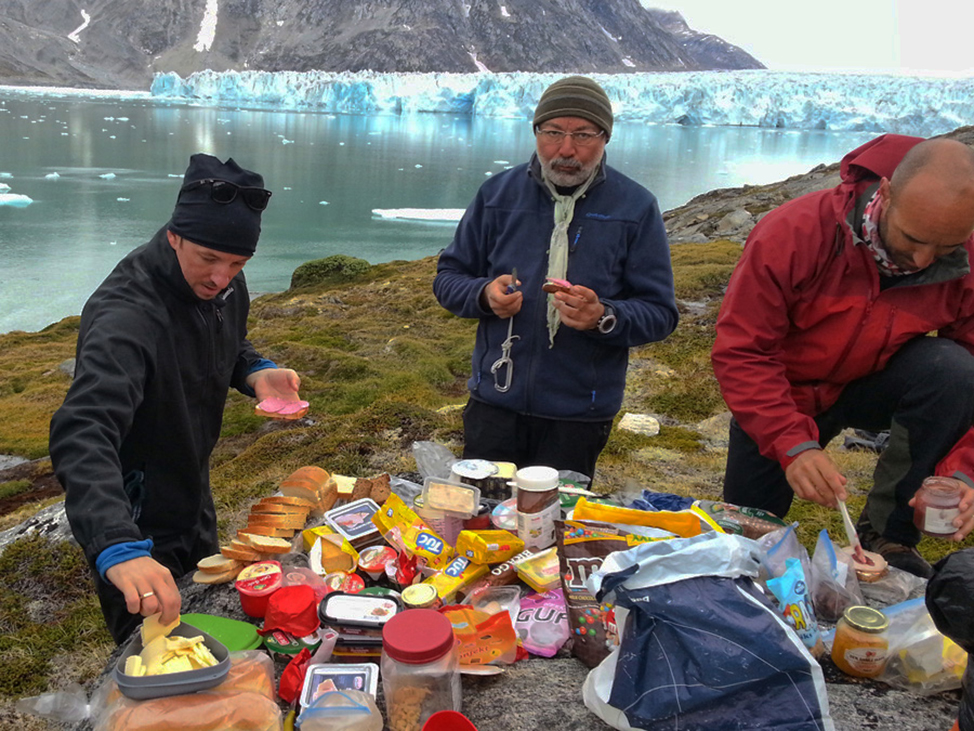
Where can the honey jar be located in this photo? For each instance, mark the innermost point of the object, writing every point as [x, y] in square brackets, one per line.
[861, 646]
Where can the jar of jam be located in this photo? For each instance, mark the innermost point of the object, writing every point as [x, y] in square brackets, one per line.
[861, 646]
[937, 504]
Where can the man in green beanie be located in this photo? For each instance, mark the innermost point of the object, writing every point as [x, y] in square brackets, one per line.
[549, 365]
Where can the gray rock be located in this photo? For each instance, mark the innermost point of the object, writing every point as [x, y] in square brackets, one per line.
[734, 221]
[50, 522]
[10, 460]
[67, 367]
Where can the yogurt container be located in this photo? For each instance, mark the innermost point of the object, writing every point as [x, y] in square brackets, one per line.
[255, 584]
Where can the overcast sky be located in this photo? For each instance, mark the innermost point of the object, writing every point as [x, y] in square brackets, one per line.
[902, 36]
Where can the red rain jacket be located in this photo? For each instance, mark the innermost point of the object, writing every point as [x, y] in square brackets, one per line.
[804, 314]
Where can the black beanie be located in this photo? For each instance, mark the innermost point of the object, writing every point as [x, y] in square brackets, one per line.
[229, 227]
[576, 96]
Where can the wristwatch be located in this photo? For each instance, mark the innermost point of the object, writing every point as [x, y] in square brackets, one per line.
[607, 323]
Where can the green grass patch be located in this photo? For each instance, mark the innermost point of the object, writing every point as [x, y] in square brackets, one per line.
[14, 487]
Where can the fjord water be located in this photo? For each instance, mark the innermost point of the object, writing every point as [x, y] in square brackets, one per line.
[118, 167]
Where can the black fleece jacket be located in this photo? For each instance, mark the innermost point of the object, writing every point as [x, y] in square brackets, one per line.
[131, 442]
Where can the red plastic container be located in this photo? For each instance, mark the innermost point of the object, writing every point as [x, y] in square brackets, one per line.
[448, 721]
[255, 584]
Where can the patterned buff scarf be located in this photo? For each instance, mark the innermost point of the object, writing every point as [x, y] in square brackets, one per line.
[558, 247]
[872, 239]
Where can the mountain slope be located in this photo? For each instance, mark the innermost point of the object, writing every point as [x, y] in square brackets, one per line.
[121, 44]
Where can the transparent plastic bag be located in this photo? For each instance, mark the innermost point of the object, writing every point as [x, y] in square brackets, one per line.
[433, 460]
[68, 705]
[780, 545]
[921, 660]
[833, 582]
[341, 710]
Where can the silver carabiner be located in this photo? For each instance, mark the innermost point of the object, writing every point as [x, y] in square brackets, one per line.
[505, 360]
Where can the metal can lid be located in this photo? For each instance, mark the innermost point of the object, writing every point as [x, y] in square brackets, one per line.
[866, 619]
[419, 595]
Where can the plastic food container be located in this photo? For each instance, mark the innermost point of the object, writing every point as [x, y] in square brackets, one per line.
[158, 686]
[491, 478]
[373, 560]
[343, 582]
[354, 521]
[358, 611]
[323, 678]
[420, 668]
[453, 498]
[255, 584]
[421, 596]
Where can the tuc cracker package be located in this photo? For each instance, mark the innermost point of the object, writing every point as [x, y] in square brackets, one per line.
[407, 528]
[488, 546]
[460, 573]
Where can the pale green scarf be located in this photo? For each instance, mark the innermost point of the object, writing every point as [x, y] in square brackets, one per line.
[558, 247]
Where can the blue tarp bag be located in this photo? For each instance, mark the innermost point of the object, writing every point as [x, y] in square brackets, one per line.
[701, 648]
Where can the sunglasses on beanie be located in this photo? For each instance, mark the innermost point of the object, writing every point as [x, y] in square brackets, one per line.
[225, 192]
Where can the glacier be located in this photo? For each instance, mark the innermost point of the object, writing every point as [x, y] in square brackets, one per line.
[921, 106]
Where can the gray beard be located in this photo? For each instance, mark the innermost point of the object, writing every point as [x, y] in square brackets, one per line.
[569, 179]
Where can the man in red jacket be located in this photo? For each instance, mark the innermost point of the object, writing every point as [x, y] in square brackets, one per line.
[824, 327]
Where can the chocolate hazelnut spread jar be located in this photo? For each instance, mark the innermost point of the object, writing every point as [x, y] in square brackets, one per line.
[537, 505]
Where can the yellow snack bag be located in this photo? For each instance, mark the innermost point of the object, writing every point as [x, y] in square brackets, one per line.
[459, 573]
[488, 546]
[683, 523]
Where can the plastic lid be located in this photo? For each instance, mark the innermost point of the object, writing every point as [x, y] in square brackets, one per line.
[448, 721]
[417, 636]
[536, 478]
[233, 633]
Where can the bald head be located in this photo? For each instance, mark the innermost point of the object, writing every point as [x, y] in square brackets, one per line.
[928, 204]
[948, 165]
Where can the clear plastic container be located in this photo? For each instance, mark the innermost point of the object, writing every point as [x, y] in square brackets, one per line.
[937, 504]
[420, 668]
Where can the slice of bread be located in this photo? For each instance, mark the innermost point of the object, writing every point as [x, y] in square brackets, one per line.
[267, 544]
[266, 530]
[285, 500]
[279, 509]
[218, 564]
[295, 522]
[205, 577]
[246, 554]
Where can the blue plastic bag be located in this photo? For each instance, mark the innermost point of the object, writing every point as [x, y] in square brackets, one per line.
[701, 647]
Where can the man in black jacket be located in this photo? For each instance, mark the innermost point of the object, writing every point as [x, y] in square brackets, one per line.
[161, 341]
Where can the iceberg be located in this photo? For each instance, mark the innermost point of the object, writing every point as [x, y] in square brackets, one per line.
[786, 100]
[438, 215]
[15, 200]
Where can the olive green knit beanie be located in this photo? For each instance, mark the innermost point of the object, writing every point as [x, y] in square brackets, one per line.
[576, 96]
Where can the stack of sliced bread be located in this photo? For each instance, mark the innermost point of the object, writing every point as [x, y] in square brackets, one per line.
[271, 525]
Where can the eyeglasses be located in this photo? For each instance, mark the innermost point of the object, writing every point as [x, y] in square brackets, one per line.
[557, 136]
[225, 192]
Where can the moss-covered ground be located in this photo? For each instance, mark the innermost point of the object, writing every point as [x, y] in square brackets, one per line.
[379, 360]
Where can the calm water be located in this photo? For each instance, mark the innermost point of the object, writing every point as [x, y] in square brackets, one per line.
[328, 174]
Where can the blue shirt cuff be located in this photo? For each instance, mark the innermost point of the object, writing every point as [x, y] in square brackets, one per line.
[120, 552]
[261, 364]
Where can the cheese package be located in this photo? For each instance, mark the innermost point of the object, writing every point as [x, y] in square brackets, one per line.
[488, 546]
[453, 498]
